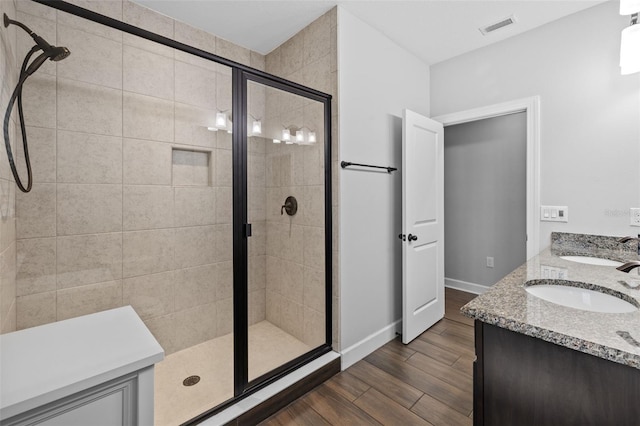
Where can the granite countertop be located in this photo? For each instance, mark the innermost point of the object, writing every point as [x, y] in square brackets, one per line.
[615, 337]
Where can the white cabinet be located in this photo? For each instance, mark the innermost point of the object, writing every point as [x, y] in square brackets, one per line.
[94, 370]
[111, 404]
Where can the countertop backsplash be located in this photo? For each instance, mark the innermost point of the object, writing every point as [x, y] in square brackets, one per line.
[606, 247]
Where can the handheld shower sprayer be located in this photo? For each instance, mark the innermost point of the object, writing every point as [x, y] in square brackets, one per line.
[53, 53]
[50, 52]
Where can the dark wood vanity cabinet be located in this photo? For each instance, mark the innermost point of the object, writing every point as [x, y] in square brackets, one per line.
[521, 380]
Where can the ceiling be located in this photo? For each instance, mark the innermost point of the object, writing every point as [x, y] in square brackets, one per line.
[433, 30]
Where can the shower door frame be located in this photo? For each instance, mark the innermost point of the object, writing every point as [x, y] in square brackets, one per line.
[241, 225]
[241, 75]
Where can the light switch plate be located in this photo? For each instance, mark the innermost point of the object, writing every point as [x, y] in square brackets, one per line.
[634, 215]
[554, 214]
[553, 272]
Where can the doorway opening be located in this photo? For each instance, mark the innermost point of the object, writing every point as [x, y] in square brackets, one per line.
[491, 192]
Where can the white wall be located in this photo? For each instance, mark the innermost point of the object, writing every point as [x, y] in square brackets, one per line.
[377, 80]
[590, 114]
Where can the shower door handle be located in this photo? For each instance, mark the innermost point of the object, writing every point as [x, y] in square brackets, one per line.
[247, 230]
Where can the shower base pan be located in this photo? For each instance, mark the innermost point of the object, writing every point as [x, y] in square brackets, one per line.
[212, 363]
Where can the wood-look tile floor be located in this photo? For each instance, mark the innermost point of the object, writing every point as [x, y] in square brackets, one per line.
[428, 382]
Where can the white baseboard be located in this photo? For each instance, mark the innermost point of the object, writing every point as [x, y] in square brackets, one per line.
[358, 351]
[465, 286]
[364, 347]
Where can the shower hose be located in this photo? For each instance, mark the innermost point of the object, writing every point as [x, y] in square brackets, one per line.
[17, 94]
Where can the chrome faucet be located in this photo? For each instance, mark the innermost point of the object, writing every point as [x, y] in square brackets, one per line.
[627, 239]
[628, 266]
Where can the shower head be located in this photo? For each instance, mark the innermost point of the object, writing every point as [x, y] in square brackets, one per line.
[58, 53]
[53, 53]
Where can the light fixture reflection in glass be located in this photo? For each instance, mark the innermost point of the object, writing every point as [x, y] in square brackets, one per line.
[221, 120]
[212, 129]
[630, 50]
[299, 135]
[276, 141]
[256, 128]
[629, 7]
[286, 135]
[312, 137]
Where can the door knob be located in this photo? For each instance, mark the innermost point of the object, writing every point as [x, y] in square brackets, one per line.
[412, 237]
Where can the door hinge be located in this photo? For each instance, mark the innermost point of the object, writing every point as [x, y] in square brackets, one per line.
[403, 237]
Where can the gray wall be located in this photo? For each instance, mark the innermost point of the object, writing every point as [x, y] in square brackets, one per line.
[485, 198]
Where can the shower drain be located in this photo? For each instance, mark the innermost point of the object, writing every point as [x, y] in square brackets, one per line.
[191, 380]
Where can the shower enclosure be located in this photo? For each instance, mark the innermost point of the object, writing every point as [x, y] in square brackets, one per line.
[192, 187]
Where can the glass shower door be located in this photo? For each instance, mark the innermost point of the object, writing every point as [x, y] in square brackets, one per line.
[286, 208]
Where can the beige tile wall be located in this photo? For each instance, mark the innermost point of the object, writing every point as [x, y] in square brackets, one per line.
[8, 76]
[132, 196]
[295, 246]
[122, 154]
[256, 201]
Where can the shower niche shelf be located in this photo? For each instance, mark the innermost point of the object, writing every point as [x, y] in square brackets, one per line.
[190, 167]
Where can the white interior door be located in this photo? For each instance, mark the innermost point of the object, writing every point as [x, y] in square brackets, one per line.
[422, 224]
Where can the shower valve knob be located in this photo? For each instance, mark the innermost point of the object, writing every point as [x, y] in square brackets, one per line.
[290, 206]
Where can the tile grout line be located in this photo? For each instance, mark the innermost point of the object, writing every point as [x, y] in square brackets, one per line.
[56, 183]
[122, 169]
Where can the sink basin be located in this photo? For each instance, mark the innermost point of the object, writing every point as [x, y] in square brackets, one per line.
[581, 298]
[592, 260]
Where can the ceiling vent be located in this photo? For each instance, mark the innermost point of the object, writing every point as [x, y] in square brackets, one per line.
[500, 24]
